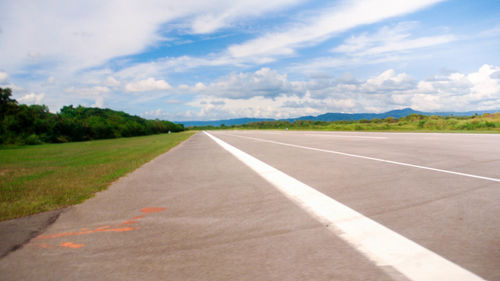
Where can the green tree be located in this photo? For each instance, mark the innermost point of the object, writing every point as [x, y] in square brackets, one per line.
[7, 104]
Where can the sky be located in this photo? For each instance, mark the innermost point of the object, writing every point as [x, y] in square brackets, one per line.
[221, 59]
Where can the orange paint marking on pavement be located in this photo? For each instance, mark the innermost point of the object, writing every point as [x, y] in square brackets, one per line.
[132, 220]
[105, 228]
[71, 245]
[45, 246]
[150, 210]
[122, 229]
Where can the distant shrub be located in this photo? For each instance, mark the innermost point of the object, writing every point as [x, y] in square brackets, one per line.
[32, 140]
[489, 124]
[421, 123]
[390, 119]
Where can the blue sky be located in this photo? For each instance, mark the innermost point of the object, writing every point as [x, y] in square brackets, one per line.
[206, 60]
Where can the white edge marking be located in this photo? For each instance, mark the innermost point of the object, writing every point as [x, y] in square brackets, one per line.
[373, 158]
[380, 244]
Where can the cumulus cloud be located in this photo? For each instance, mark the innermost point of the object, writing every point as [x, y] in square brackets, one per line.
[31, 98]
[389, 81]
[249, 94]
[264, 82]
[200, 86]
[149, 84]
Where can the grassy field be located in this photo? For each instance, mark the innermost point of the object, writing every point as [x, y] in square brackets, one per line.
[487, 123]
[45, 177]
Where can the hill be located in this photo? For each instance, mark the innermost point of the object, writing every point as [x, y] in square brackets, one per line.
[329, 117]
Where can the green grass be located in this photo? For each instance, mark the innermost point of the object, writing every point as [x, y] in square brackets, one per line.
[45, 177]
[486, 123]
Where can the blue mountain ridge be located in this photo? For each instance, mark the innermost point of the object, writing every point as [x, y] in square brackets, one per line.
[333, 117]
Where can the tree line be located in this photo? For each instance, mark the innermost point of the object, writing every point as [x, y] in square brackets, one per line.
[487, 122]
[34, 124]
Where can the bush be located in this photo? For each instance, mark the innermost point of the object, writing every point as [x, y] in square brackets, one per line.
[32, 140]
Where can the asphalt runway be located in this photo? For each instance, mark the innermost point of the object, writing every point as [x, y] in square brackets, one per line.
[199, 213]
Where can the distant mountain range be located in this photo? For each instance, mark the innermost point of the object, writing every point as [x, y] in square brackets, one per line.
[334, 117]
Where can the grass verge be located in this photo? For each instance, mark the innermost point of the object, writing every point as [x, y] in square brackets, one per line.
[45, 177]
[486, 123]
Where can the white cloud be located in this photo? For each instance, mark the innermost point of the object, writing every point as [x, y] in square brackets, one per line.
[247, 94]
[31, 98]
[485, 86]
[390, 44]
[95, 93]
[176, 64]
[3, 76]
[90, 91]
[75, 41]
[200, 86]
[389, 81]
[78, 35]
[158, 113]
[409, 44]
[324, 25]
[231, 11]
[99, 102]
[111, 82]
[426, 102]
[264, 82]
[389, 40]
[309, 31]
[259, 107]
[183, 87]
[149, 84]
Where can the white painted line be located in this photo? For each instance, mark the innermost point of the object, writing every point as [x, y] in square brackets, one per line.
[345, 136]
[374, 159]
[380, 244]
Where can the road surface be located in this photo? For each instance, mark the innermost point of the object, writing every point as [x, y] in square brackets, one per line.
[405, 206]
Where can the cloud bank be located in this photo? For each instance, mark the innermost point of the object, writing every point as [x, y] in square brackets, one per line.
[267, 93]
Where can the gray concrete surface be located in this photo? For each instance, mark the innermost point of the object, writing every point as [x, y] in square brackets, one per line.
[454, 216]
[197, 213]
